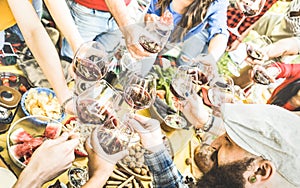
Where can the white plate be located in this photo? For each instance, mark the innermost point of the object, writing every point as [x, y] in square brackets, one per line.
[8, 179]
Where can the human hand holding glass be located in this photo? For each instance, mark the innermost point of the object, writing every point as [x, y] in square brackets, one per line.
[221, 91]
[265, 74]
[181, 86]
[149, 131]
[111, 139]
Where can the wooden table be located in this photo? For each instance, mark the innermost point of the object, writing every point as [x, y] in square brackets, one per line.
[180, 142]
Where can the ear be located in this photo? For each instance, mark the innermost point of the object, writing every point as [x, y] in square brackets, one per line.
[264, 170]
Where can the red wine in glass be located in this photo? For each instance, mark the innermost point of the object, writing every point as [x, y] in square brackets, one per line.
[179, 96]
[137, 97]
[89, 112]
[88, 70]
[149, 45]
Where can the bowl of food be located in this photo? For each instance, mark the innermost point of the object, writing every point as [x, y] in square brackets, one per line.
[43, 102]
[26, 134]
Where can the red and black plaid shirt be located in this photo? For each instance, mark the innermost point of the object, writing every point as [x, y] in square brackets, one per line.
[235, 15]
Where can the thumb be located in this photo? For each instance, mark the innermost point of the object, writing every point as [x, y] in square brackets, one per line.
[120, 155]
[62, 138]
[137, 126]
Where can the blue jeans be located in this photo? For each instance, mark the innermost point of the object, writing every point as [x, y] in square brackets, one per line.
[193, 46]
[38, 6]
[93, 25]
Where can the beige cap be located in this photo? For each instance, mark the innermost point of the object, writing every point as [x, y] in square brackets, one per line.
[268, 131]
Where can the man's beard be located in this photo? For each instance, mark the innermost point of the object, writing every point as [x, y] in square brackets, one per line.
[225, 176]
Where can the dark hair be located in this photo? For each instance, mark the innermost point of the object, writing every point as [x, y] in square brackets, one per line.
[286, 93]
[192, 17]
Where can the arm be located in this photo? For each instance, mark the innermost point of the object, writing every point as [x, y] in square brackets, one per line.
[163, 170]
[286, 46]
[99, 169]
[161, 165]
[234, 45]
[127, 25]
[60, 13]
[288, 70]
[218, 33]
[41, 46]
[199, 116]
[217, 46]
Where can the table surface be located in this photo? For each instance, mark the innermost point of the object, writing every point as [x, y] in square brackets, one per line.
[181, 141]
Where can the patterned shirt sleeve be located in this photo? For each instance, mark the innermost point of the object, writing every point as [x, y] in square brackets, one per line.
[163, 170]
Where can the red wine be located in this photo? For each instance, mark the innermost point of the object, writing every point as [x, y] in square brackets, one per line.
[202, 78]
[89, 70]
[91, 113]
[137, 97]
[149, 45]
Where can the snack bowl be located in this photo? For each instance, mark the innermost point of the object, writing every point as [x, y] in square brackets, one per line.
[42, 101]
[26, 134]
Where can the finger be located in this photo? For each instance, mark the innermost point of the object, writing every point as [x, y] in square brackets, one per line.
[70, 145]
[62, 138]
[88, 147]
[140, 118]
[137, 126]
[120, 155]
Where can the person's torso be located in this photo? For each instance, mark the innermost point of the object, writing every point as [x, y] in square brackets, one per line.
[97, 5]
[177, 17]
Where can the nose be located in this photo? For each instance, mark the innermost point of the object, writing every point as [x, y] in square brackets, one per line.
[216, 144]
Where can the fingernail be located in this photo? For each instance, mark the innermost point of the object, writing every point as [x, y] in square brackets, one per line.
[65, 135]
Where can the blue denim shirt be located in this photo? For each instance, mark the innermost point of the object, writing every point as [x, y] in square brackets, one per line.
[215, 20]
[163, 170]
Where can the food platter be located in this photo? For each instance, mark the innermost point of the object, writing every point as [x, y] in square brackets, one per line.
[134, 162]
[16, 81]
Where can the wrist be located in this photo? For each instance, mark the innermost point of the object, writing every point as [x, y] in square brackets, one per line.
[208, 124]
[29, 178]
[66, 101]
[156, 148]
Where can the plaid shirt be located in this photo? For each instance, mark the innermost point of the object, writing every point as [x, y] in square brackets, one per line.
[235, 15]
[164, 171]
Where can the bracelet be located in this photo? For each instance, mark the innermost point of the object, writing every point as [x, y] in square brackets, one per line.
[62, 109]
[209, 123]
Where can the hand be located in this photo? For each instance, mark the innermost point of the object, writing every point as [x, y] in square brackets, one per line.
[195, 111]
[262, 75]
[71, 71]
[234, 45]
[151, 18]
[99, 168]
[94, 144]
[132, 33]
[48, 161]
[149, 132]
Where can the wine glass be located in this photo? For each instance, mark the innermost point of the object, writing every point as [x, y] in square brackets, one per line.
[140, 92]
[159, 31]
[182, 86]
[254, 47]
[265, 74]
[113, 136]
[206, 68]
[96, 104]
[90, 64]
[249, 9]
[221, 91]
